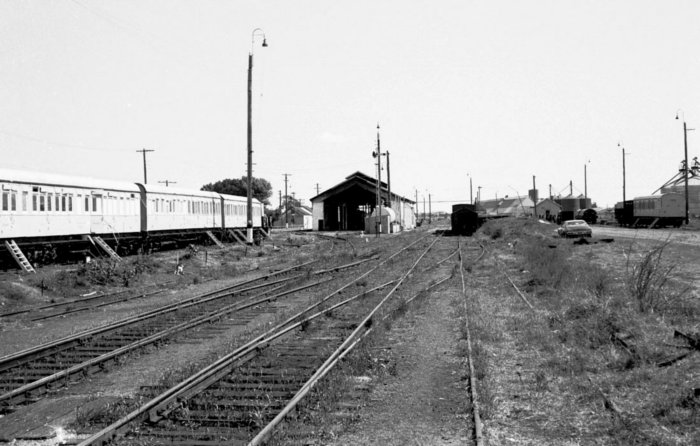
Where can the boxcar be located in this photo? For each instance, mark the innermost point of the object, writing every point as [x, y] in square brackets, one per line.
[660, 210]
[464, 219]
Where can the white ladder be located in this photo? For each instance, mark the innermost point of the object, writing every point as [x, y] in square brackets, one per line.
[19, 256]
[214, 239]
[112, 253]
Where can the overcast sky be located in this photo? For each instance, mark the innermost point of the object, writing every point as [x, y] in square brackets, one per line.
[496, 90]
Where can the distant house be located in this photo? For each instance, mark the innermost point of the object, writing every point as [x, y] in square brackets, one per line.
[548, 209]
[297, 216]
[517, 206]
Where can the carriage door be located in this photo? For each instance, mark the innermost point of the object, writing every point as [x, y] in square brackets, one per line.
[96, 211]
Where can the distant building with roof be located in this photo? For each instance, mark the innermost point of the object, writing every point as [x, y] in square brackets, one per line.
[350, 205]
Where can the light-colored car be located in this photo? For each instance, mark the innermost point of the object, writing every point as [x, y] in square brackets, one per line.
[575, 228]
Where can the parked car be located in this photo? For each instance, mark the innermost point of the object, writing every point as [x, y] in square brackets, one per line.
[575, 228]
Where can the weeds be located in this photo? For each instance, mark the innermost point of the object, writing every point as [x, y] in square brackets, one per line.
[649, 281]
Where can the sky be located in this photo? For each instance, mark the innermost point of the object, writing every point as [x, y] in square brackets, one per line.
[491, 91]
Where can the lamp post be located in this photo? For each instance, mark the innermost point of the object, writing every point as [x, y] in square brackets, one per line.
[249, 216]
[471, 195]
[623, 174]
[378, 154]
[685, 165]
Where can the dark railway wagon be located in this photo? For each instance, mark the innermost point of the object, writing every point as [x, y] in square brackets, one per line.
[624, 212]
[590, 216]
[465, 219]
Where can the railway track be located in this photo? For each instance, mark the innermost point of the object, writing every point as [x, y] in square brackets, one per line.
[251, 389]
[28, 375]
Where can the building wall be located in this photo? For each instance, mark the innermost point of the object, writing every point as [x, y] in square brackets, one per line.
[317, 211]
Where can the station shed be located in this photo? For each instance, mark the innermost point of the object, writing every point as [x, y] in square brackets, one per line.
[348, 206]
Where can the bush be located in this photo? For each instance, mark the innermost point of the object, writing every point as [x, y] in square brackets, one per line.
[649, 282]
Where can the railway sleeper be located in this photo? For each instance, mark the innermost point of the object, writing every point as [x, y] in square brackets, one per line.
[226, 404]
[211, 436]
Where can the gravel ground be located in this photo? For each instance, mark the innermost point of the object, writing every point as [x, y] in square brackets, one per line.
[426, 402]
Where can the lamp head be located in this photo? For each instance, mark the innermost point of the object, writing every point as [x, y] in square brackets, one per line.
[676, 115]
[374, 154]
[264, 44]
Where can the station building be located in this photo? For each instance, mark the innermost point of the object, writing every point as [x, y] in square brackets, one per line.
[351, 206]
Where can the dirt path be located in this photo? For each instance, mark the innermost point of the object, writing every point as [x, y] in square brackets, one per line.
[426, 401]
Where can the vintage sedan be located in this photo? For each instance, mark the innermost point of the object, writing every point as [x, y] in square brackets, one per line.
[575, 228]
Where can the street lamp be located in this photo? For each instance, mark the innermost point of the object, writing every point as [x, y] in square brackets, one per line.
[623, 173]
[249, 225]
[685, 164]
[378, 154]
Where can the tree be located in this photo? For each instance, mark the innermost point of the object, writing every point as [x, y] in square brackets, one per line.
[262, 189]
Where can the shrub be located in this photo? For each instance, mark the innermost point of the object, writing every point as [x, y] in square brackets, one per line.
[649, 281]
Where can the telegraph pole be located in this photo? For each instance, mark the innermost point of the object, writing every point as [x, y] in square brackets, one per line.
[478, 194]
[534, 193]
[168, 182]
[145, 176]
[471, 194]
[286, 201]
[378, 155]
[430, 209]
[388, 180]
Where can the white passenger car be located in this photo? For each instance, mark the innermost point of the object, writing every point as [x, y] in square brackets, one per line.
[42, 205]
[173, 209]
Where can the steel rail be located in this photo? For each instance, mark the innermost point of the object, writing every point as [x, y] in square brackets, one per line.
[22, 356]
[478, 434]
[79, 368]
[87, 365]
[221, 367]
[157, 408]
[351, 340]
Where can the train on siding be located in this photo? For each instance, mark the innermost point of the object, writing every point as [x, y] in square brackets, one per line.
[44, 213]
[661, 210]
[465, 219]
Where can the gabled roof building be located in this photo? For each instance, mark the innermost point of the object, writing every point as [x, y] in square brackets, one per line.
[347, 206]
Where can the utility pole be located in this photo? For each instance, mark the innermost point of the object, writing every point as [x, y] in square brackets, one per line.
[430, 209]
[168, 182]
[378, 155]
[145, 176]
[571, 189]
[280, 200]
[424, 207]
[685, 174]
[534, 190]
[249, 223]
[585, 185]
[388, 180]
[471, 195]
[478, 194]
[318, 190]
[286, 201]
[550, 191]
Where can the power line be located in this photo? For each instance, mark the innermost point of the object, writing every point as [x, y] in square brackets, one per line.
[60, 144]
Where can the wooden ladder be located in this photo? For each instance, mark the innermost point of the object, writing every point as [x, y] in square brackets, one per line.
[19, 256]
[237, 235]
[214, 239]
[112, 253]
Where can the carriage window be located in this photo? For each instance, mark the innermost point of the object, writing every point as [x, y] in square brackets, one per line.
[5, 200]
[94, 204]
[63, 202]
[13, 201]
[87, 203]
[70, 203]
[35, 204]
[24, 200]
[42, 198]
[49, 199]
